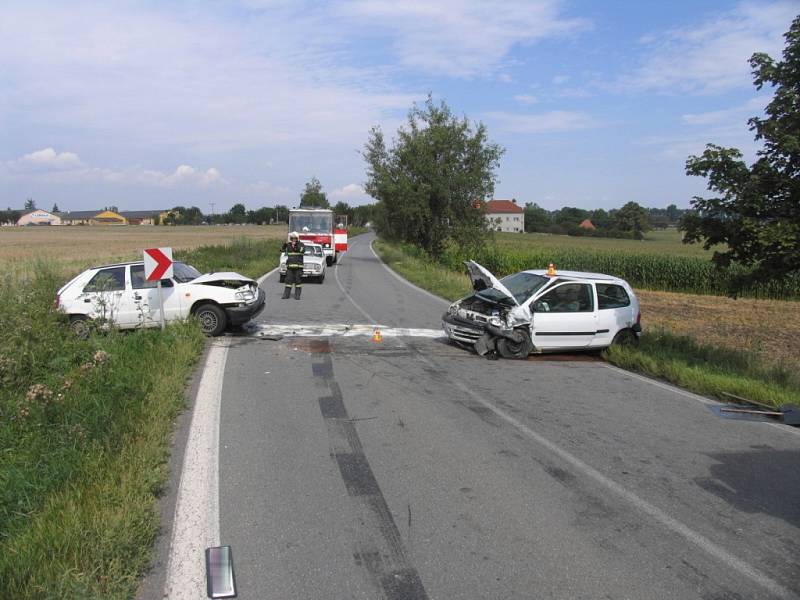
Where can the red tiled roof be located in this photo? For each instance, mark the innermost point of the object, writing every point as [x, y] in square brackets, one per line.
[502, 206]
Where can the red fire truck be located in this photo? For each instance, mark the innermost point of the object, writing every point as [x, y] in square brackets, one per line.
[317, 225]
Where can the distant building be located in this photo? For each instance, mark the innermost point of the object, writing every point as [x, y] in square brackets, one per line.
[143, 217]
[108, 217]
[505, 215]
[586, 224]
[38, 217]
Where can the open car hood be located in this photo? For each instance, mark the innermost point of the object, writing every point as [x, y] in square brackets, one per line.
[483, 279]
[224, 276]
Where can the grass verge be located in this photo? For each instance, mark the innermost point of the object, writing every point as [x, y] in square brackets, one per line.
[679, 359]
[85, 427]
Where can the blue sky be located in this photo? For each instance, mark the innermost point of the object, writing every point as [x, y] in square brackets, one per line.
[156, 104]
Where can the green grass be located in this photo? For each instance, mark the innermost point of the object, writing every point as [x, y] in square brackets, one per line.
[84, 434]
[680, 360]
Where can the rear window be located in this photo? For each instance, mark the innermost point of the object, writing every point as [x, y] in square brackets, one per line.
[611, 296]
[137, 278]
[107, 280]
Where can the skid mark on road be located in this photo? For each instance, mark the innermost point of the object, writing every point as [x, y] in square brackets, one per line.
[378, 547]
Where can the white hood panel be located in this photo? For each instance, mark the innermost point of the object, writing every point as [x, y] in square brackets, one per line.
[483, 279]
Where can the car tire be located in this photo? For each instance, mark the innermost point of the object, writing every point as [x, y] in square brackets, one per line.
[212, 319]
[329, 260]
[321, 279]
[282, 277]
[625, 337]
[80, 325]
[518, 348]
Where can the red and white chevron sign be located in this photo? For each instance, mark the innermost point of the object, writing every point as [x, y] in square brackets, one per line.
[157, 263]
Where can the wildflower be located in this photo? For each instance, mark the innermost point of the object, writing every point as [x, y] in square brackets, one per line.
[39, 391]
[101, 357]
[66, 384]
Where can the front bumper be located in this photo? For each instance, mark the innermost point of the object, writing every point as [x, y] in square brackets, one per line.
[306, 272]
[462, 330]
[242, 314]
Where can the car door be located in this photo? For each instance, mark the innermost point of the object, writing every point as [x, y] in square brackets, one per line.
[103, 296]
[146, 311]
[564, 316]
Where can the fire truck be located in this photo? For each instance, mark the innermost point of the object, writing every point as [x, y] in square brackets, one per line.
[318, 225]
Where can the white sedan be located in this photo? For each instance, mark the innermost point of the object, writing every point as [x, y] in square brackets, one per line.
[313, 263]
[543, 311]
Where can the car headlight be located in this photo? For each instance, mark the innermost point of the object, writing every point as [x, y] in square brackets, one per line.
[318, 268]
[496, 321]
[453, 308]
[247, 296]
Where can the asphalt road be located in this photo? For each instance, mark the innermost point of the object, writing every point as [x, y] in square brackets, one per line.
[409, 468]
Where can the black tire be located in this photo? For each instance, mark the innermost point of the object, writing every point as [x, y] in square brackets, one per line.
[329, 260]
[81, 326]
[212, 319]
[321, 278]
[519, 348]
[625, 337]
[282, 277]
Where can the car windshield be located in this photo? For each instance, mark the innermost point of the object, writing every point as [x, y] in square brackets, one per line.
[310, 223]
[183, 273]
[522, 285]
[313, 250]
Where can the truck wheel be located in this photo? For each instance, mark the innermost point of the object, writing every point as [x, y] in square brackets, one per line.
[212, 319]
[519, 347]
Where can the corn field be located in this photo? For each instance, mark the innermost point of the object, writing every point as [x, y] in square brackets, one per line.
[647, 271]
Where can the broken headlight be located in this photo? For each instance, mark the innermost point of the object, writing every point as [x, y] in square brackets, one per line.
[247, 296]
[453, 308]
[496, 321]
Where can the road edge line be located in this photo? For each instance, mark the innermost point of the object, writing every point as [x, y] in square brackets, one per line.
[406, 281]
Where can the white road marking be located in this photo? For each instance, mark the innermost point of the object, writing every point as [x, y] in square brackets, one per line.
[196, 521]
[642, 505]
[407, 282]
[338, 329]
[349, 297]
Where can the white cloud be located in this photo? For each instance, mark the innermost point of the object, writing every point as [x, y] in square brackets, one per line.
[737, 114]
[462, 38]
[560, 79]
[46, 160]
[525, 99]
[348, 193]
[713, 56]
[553, 121]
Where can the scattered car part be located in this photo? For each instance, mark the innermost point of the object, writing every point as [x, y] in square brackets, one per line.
[220, 580]
[789, 413]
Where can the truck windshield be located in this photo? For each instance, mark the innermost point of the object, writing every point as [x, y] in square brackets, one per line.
[310, 223]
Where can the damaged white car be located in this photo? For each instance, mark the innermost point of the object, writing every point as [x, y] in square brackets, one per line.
[120, 295]
[543, 311]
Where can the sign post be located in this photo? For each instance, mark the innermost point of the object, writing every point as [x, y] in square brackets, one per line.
[157, 266]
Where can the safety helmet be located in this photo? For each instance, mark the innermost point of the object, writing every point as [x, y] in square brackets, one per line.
[294, 236]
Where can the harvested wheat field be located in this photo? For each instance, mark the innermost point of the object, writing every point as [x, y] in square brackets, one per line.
[79, 247]
[768, 328]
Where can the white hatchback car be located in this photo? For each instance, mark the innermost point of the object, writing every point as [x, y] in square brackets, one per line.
[533, 311]
[120, 295]
[313, 263]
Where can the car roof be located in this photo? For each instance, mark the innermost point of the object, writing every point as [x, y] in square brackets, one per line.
[577, 275]
[124, 264]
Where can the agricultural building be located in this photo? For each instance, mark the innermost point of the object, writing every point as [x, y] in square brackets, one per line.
[505, 215]
[39, 217]
[586, 224]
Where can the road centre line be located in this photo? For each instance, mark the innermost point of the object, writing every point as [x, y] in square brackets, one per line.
[642, 505]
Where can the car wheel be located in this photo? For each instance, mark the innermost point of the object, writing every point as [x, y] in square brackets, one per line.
[321, 278]
[625, 337]
[519, 347]
[212, 319]
[329, 260]
[81, 326]
[282, 277]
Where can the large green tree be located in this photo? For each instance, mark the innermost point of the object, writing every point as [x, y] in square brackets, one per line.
[313, 196]
[632, 219]
[430, 185]
[756, 213]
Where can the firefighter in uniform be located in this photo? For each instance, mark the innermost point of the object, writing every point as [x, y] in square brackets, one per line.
[294, 249]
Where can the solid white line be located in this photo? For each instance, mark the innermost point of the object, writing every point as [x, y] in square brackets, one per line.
[196, 521]
[644, 506]
[261, 279]
[406, 281]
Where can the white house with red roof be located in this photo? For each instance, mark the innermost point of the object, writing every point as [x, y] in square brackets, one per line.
[505, 215]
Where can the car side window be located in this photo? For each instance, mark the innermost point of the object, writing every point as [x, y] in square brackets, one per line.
[107, 280]
[571, 297]
[611, 296]
[138, 281]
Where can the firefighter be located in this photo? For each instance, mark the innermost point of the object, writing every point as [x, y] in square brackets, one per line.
[294, 265]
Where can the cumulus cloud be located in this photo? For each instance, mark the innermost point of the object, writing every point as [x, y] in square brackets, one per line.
[46, 160]
[525, 99]
[713, 56]
[462, 38]
[553, 121]
[734, 115]
[349, 193]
